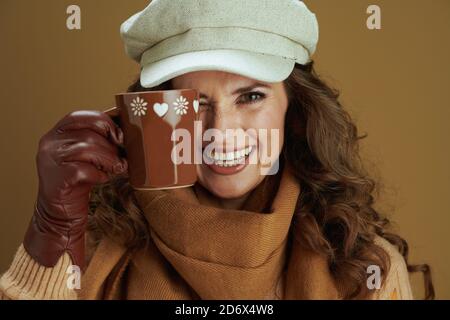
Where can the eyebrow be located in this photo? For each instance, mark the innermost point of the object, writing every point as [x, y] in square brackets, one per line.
[244, 89]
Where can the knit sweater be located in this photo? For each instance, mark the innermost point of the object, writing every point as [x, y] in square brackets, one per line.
[27, 280]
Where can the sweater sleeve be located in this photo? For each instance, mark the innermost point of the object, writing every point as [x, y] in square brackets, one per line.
[28, 280]
[397, 285]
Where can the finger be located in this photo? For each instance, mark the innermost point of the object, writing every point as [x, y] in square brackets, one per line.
[94, 120]
[100, 157]
[85, 135]
[85, 173]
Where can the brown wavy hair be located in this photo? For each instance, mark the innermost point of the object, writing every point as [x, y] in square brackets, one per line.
[336, 215]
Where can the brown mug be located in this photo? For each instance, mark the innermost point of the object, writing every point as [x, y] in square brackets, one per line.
[149, 120]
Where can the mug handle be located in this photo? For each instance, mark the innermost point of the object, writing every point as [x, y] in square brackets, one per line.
[112, 112]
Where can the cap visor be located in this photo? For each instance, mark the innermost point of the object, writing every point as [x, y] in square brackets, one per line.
[262, 67]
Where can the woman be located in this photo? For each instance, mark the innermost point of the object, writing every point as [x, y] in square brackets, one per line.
[308, 232]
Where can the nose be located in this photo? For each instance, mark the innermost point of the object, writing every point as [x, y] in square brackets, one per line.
[221, 119]
[225, 119]
[220, 116]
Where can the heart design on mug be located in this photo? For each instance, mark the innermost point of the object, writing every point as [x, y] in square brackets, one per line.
[161, 109]
[196, 105]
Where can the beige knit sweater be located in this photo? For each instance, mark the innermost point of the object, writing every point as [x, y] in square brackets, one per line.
[27, 280]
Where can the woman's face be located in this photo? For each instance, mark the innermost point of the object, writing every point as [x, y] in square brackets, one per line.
[230, 168]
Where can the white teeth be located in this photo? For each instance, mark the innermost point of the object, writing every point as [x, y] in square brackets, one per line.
[231, 158]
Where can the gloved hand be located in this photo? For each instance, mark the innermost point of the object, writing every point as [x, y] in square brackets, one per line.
[82, 150]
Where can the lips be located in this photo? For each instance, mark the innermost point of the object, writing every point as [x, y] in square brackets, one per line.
[230, 162]
[228, 159]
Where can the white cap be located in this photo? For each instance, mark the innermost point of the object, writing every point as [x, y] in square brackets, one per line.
[259, 39]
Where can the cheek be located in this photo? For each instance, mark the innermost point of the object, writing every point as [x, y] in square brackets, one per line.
[270, 120]
[271, 114]
[271, 117]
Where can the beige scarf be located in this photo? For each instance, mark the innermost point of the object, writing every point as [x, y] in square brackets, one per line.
[201, 251]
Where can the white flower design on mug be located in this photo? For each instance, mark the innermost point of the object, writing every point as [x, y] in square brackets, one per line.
[139, 107]
[181, 106]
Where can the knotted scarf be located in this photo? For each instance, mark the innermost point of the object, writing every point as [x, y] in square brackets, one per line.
[199, 250]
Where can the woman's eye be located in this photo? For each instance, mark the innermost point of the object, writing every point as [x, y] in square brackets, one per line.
[203, 102]
[251, 97]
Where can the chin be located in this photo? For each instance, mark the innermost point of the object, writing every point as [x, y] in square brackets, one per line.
[230, 187]
[226, 190]
[226, 193]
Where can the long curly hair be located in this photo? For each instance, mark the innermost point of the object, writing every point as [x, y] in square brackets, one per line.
[336, 215]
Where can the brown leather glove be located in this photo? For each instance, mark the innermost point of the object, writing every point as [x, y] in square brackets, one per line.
[82, 150]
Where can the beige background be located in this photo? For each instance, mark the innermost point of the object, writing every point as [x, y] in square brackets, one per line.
[395, 82]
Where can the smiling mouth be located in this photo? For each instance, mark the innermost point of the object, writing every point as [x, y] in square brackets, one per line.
[228, 159]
